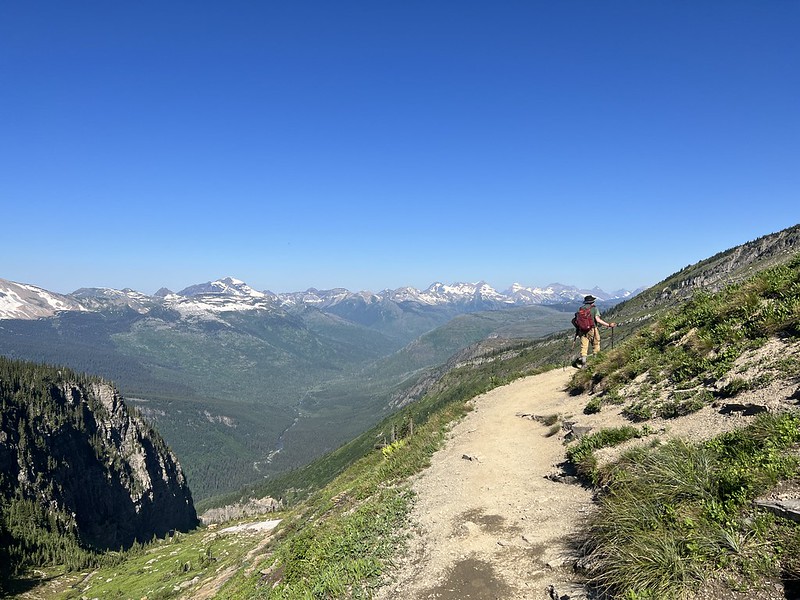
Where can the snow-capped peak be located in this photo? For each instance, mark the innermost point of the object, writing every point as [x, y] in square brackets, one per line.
[227, 286]
[229, 294]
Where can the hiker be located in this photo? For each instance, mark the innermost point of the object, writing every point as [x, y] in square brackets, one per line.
[586, 321]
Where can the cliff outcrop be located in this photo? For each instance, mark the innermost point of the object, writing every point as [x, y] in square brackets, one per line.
[730, 266]
[70, 447]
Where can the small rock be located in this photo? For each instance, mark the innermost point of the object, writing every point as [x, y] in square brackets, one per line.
[553, 594]
[747, 410]
[187, 584]
[470, 457]
[580, 431]
[469, 528]
[559, 478]
[787, 509]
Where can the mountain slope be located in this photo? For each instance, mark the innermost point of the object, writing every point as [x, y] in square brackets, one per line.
[708, 275]
[244, 385]
[438, 346]
[712, 274]
[498, 529]
[79, 471]
[351, 508]
[23, 301]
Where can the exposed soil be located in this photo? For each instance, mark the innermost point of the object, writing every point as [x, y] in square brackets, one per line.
[488, 524]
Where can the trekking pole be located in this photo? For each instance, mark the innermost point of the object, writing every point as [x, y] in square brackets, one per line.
[567, 354]
[612, 337]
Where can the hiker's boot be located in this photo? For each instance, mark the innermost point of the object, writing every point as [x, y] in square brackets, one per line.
[577, 362]
[582, 362]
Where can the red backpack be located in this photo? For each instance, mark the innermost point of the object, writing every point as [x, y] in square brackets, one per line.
[583, 320]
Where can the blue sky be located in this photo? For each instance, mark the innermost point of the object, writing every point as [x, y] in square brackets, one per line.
[376, 144]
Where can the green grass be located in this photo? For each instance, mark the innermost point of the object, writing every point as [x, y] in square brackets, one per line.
[676, 513]
[581, 455]
[341, 539]
[159, 570]
[673, 515]
[693, 347]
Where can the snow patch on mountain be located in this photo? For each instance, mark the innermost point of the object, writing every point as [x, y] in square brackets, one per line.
[24, 301]
[315, 297]
[210, 304]
[205, 300]
[99, 298]
[227, 286]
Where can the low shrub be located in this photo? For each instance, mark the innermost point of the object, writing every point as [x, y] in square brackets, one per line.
[593, 406]
[582, 454]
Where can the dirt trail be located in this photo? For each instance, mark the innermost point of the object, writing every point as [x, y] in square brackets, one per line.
[494, 526]
[488, 524]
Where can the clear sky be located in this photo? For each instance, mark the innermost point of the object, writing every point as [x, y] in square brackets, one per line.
[380, 143]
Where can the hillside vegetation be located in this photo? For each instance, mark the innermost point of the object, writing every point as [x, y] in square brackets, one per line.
[80, 474]
[685, 509]
[687, 357]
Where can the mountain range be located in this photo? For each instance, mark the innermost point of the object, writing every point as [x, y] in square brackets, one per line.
[26, 301]
[245, 384]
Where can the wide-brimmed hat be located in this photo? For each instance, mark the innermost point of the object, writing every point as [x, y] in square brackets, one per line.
[589, 299]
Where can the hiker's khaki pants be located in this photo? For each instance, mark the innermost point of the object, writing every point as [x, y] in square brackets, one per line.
[592, 335]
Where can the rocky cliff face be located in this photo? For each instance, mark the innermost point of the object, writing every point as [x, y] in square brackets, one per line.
[742, 261]
[724, 268]
[71, 443]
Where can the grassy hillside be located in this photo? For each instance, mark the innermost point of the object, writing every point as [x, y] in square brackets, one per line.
[686, 357]
[671, 517]
[681, 346]
[691, 515]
